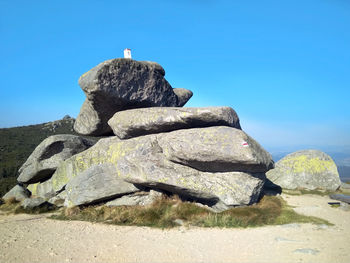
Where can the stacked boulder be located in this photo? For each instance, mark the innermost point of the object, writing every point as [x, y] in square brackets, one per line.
[200, 154]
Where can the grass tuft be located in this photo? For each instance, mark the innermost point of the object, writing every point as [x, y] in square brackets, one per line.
[11, 206]
[271, 210]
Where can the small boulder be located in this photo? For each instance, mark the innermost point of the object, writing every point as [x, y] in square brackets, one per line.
[31, 203]
[96, 184]
[341, 197]
[117, 85]
[19, 193]
[44, 160]
[183, 96]
[137, 122]
[307, 169]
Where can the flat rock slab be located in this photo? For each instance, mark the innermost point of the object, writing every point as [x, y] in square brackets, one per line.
[215, 149]
[137, 122]
[96, 184]
[117, 85]
[307, 169]
[341, 197]
[43, 161]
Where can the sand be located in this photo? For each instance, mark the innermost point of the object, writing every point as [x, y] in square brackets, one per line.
[34, 238]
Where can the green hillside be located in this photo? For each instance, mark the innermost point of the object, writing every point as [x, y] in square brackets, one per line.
[16, 144]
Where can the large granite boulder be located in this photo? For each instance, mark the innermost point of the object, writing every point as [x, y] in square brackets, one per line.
[98, 183]
[117, 85]
[18, 193]
[222, 166]
[137, 122]
[307, 169]
[183, 96]
[44, 160]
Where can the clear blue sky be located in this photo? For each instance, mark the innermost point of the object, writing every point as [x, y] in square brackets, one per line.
[284, 66]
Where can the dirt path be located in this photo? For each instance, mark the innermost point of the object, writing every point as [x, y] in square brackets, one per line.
[33, 238]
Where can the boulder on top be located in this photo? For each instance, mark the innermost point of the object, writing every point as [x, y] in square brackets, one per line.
[307, 169]
[219, 165]
[44, 160]
[120, 84]
[18, 193]
[183, 96]
[137, 122]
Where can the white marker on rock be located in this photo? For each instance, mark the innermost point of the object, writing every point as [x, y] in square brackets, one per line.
[127, 53]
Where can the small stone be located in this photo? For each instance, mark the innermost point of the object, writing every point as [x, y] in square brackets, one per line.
[307, 251]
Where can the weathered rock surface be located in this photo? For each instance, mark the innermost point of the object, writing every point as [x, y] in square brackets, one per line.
[155, 161]
[341, 197]
[121, 84]
[31, 203]
[228, 189]
[138, 198]
[137, 122]
[183, 96]
[18, 193]
[96, 184]
[43, 190]
[59, 199]
[215, 149]
[307, 169]
[44, 160]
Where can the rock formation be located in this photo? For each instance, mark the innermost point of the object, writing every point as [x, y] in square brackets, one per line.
[18, 193]
[121, 84]
[137, 122]
[307, 169]
[43, 162]
[200, 154]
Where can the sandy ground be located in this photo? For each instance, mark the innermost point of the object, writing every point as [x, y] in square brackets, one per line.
[34, 238]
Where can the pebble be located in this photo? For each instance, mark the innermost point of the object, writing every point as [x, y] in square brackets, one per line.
[307, 251]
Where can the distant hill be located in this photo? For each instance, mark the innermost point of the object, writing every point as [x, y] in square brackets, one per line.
[16, 144]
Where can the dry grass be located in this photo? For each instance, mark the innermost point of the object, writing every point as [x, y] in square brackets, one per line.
[12, 206]
[164, 212]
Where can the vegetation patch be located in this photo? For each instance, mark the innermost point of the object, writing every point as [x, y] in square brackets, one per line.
[11, 206]
[167, 211]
